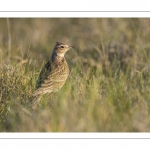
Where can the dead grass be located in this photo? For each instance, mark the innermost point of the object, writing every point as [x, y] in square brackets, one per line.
[109, 83]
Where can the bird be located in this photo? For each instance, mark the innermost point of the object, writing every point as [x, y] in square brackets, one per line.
[53, 75]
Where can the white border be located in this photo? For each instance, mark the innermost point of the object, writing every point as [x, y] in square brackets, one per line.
[78, 5]
[105, 9]
[72, 144]
[77, 135]
[75, 141]
[75, 14]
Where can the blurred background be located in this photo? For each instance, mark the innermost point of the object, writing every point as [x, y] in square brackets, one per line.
[109, 82]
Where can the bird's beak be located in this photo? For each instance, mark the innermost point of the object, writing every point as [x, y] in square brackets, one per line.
[71, 46]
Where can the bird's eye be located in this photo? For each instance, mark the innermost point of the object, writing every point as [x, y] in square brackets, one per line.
[62, 46]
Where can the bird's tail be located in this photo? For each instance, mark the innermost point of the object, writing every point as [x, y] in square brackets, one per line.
[34, 100]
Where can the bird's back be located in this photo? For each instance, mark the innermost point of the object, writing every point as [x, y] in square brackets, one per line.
[52, 76]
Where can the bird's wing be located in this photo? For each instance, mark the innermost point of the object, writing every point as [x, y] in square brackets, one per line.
[51, 78]
[44, 74]
[42, 79]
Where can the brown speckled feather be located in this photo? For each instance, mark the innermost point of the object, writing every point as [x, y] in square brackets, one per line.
[53, 75]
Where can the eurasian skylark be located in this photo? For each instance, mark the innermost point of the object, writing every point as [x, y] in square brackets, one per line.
[53, 75]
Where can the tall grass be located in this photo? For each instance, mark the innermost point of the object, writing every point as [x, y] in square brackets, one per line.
[108, 86]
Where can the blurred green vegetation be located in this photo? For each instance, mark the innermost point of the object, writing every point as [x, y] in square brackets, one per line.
[108, 89]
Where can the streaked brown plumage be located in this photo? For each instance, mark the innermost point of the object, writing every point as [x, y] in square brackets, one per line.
[53, 75]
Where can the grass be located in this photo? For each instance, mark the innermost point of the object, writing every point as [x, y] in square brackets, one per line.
[108, 86]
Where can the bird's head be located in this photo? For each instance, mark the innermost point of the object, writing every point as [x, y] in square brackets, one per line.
[61, 48]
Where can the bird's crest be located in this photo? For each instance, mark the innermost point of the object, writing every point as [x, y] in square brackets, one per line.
[60, 43]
